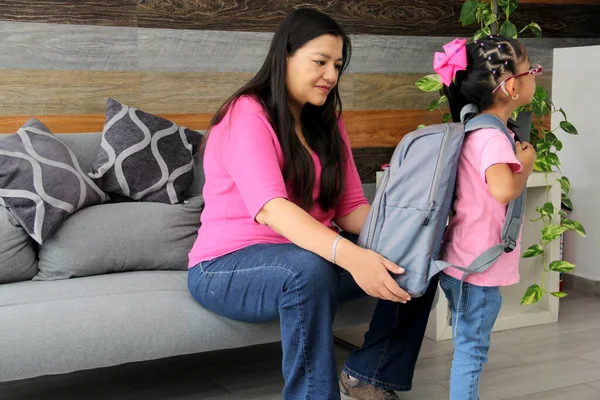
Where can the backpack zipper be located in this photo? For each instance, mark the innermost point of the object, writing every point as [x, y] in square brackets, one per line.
[436, 177]
[375, 216]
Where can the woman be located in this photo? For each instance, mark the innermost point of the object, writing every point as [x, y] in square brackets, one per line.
[279, 172]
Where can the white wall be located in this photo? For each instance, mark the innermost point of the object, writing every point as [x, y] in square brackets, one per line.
[576, 88]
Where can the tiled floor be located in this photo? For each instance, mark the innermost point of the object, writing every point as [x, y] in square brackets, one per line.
[558, 361]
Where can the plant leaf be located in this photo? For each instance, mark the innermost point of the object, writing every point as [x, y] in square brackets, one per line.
[486, 15]
[565, 184]
[562, 213]
[533, 294]
[532, 251]
[539, 106]
[430, 83]
[508, 29]
[549, 136]
[509, 6]
[574, 226]
[446, 118]
[566, 202]
[568, 127]
[534, 131]
[552, 159]
[540, 94]
[559, 294]
[541, 165]
[483, 9]
[551, 232]
[421, 126]
[489, 19]
[535, 29]
[468, 12]
[561, 266]
[433, 105]
[543, 145]
[548, 209]
[558, 145]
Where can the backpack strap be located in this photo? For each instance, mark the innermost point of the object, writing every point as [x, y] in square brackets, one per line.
[514, 212]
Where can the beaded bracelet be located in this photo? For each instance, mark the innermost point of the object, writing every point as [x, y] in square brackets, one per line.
[334, 248]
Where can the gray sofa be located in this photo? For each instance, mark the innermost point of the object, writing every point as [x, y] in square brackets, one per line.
[65, 325]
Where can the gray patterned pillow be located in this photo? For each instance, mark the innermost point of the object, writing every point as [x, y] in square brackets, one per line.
[143, 156]
[41, 182]
[18, 260]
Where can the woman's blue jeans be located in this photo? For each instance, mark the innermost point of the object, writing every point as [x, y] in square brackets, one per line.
[265, 282]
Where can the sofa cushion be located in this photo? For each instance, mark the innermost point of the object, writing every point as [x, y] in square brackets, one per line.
[117, 237]
[145, 157]
[17, 250]
[100, 321]
[41, 181]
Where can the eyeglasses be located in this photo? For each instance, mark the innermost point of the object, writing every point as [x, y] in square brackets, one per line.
[535, 70]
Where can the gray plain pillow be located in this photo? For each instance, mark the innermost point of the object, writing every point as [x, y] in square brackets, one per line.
[117, 237]
[41, 181]
[143, 156]
[17, 250]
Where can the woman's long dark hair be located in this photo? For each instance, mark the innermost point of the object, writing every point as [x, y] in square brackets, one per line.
[488, 59]
[319, 124]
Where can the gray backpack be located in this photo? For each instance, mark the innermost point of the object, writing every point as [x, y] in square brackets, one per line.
[408, 218]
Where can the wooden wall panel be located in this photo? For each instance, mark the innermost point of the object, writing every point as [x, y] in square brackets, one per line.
[26, 45]
[84, 12]
[561, 20]
[399, 17]
[91, 122]
[384, 17]
[187, 93]
[388, 17]
[101, 48]
[388, 92]
[31, 92]
[365, 128]
[563, 2]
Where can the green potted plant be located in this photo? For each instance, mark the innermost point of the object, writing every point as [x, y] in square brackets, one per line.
[494, 18]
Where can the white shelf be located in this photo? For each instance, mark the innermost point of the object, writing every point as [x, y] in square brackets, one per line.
[513, 315]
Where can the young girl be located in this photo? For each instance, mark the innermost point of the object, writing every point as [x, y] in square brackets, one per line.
[495, 75]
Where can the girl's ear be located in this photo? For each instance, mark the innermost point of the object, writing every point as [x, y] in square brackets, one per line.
[510, 87]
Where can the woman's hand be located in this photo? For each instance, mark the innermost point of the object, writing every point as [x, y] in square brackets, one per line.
[369, 269]
[371, 272]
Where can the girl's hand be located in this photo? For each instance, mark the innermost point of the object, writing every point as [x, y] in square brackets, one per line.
[526, 155]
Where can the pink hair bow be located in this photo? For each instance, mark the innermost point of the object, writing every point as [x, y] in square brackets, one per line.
[452, 60]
